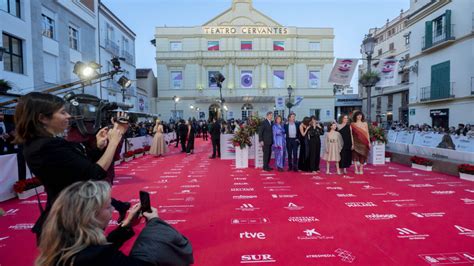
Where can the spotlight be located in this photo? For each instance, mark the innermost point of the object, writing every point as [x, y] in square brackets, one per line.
[217, 78]
[124, 82]
[86, 70]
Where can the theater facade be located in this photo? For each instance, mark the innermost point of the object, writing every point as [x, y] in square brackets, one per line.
[259, 58]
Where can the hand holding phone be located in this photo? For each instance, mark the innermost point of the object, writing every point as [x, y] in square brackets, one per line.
[145, 201]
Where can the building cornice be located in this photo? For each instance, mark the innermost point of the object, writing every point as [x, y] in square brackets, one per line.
[426, 11]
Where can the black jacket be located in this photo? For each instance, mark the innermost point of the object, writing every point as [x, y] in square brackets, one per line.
[182, 131]
[298, 133]
[265, 132]
[215, 130]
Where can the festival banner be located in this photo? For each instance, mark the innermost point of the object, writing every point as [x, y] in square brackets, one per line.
[387, 69]
[343, 71]
[176, 79]
[298, 100]
[314, 79]
[279, 102]
[246, 80]
[278, 79]
[212, 84]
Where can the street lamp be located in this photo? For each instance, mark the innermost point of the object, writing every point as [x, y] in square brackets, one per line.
[289, 104]
[368, 45]
[218, 78]
[176, 100]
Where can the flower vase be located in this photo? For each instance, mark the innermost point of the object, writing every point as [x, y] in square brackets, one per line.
[422, 167]
[466, 176]
[241, 157]
[30, 192]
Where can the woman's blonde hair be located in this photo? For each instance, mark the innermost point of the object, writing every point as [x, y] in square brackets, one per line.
[72, 223]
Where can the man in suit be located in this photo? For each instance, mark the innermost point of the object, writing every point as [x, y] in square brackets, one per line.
[215, 131]
[265, 135]
[183, 134]
[293, 135]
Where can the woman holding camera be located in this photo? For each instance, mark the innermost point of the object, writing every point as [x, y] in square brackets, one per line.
[40, 118]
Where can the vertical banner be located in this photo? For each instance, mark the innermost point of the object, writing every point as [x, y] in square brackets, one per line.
[388, 69]
[246, 45]
[280, 102]
[278, 46]
[343, 71]
[213, 45]
[314, 79]
[176, 79]
[278, 79]
[298, 100]
[211, 74]
[246, 79]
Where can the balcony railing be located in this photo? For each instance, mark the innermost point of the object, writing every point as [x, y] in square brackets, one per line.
[427, 94]
[438, 37]
[112, 47]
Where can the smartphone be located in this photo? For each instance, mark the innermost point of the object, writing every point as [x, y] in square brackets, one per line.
[145, 201]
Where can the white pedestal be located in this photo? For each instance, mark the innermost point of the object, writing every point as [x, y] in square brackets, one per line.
[241, 157]
[466, 176]
[377, 154]
[28, 193]
[128, 159]
[422, 167]
[258, 153]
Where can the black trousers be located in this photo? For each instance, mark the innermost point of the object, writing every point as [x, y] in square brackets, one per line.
[292, 149]
[216, 145]
[183, 143]
[204, 135]
[267, 154]
[177, 140]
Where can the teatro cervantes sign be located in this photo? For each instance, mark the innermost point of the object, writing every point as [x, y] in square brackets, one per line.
[245, 30]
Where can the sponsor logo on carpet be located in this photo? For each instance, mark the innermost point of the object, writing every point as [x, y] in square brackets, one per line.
[404, 180]
[241, 184]
[428, 214]
[469, 190]
[192, 181]
[369, 187]
[240, 178]
[416, 174]
[405, 233]
[293, 207]
[241, 197]
[347, 177]
[344, 255]
[3, 238]
[385, 175]
[168, 176]
[250, 221]
[124, 177]
[185, 192]
[239, 189]
[358, 182]
[21, 226]
[175, 221]
[379, 217]
[250, 235]
[303, 219]
[257, 258]
[284, 196]
[334, 188]
[346, 195]
[274, 183]
[360, 204]
[31, 201]
[448, 258]
[452, 184]
[463, 231]
[190, 186]
[12, 212]
[443, 192]
[317, 178]
[158, 182]
[468, 201]
[399, 200]
[312, 234]
[435, 179]
[247, 207]
[408, 204]
[393, 194]
[325, 183]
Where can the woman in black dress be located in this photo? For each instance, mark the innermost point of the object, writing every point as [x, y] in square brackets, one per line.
[191, 133]
[303, 160]
[345, 130]
[314, 132]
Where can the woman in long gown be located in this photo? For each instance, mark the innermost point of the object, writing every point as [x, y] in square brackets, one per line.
[361, 138]
[345, 130]
[158, 146]
[191, 133]
[333, 146]
[279, 143]
[314, 132]
[303, 159]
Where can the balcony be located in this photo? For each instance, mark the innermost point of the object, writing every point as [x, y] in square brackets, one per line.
[438, 39]
[112, 47]
[427, 94]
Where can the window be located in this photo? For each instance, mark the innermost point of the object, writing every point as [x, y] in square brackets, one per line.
[50, 66]
[73, 38]
[11, 6]
[278, 46]
[48, 26]
[278, 78]
[176, 46]
[407, 38]
[380, 52]
[246, 79]
[391, 46]
[213, 46]
[314, 46]
[125, 45]
[110, 32]
[176, 79]
[13, 55]
[438, 26]
[246, 45]
[315, 112]
[314, 79]
[246, 111]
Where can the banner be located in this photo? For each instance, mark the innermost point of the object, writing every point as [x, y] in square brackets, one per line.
[278, 79]
[314, 79]
[212, 85]
[463, 143]
[405, 137]
[227, 148]
[392, 136]
[427, 139]
[343, 71]
[298, 100]
[213, 45]
[246, 80]
[279, 102]
[8, 176]
[176, 79]
[278, 46]
[388, 69]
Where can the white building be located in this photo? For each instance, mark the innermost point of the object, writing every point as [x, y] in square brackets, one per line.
[16, 66]
[259, 58]
[390, 103]
[117, 40]
[146, 89]
[441, 44]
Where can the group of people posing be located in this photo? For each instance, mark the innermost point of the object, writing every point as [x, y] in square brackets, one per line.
[345, 142]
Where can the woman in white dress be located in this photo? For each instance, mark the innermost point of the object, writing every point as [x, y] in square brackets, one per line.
[158, 146]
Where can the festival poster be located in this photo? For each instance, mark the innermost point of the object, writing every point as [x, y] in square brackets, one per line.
[387, 69]
[343, 71]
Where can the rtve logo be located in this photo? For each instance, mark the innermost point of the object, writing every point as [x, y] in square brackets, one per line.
[250, 235]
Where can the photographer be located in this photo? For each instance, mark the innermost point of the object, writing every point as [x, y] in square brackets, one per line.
[58, 163]
[81, 241]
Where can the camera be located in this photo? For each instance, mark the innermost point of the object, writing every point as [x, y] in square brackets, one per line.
[90, 113]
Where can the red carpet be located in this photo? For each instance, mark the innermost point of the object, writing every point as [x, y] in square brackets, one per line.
[393, 215]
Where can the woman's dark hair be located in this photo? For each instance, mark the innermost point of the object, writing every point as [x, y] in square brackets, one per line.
[306, 121]
[342, 117]
[356, 113]
[279, 116]
[330, 124]
[28, 111]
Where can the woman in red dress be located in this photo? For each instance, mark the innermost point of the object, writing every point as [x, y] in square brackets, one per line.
[360, 132]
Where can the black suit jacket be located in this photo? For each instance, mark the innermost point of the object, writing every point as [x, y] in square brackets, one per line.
[265, 132]
[215, 130]
[298, 133]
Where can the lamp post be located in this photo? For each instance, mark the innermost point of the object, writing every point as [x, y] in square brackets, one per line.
[218, 78]
[368, 45]
[176, 100]
[289, 104]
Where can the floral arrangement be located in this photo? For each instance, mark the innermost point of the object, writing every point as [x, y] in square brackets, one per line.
[421, 161]
[26, 184]
[377, 134]
[242, 138]
[139, 151]
[253, 124]
[146, 148]
[129, 154]
[466, 169]
[388, 154]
